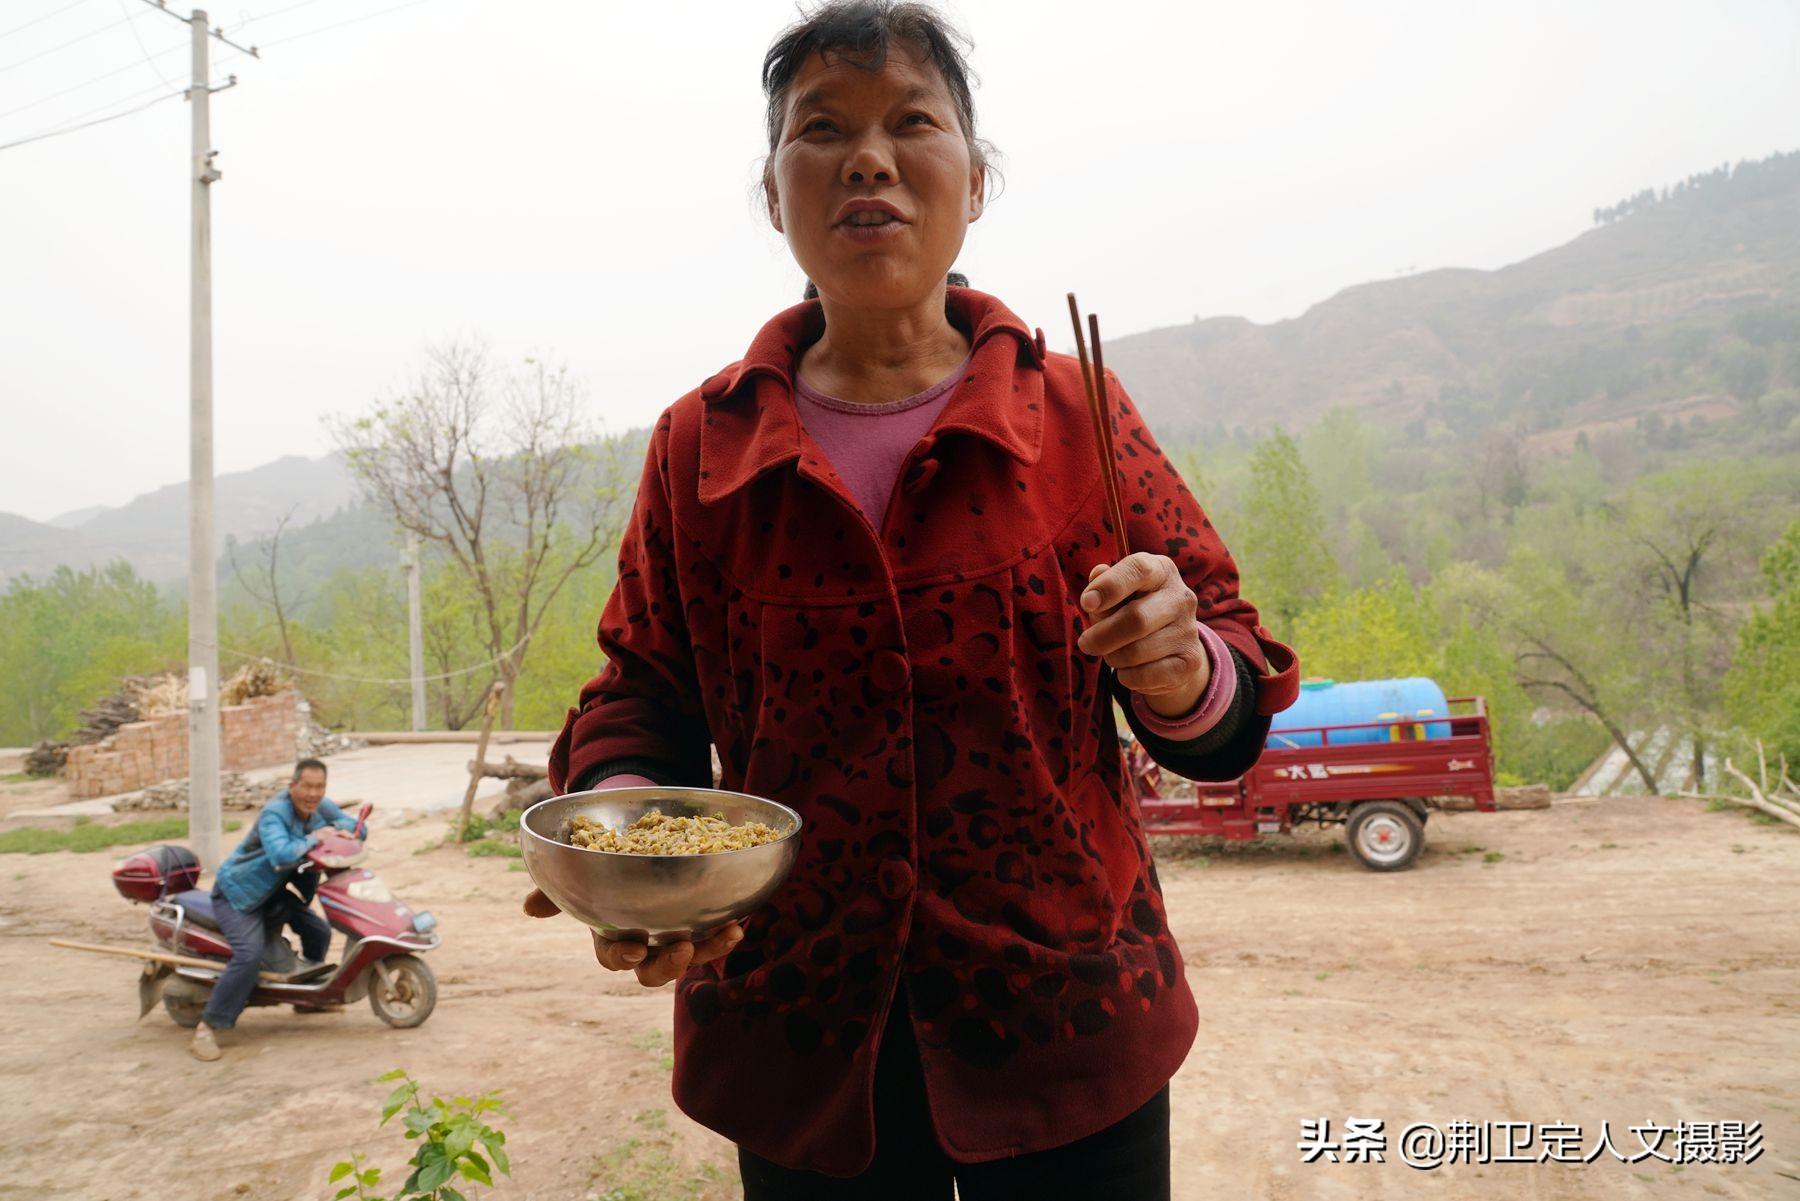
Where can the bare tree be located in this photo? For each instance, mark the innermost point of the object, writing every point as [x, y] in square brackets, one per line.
[499, 471]
[263, 581]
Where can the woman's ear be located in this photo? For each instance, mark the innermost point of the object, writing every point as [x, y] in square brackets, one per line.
[772, 200]
[977, 191]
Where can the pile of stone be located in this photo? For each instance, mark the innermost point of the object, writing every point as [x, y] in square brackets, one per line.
[235, 792]
[314, 741]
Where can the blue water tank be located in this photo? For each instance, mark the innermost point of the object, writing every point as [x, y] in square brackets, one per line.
[1402, 703]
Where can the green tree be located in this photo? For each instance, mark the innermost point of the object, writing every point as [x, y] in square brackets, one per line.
[1762, 689]
[1563, 647]
[1676, 530]
[66, 640]
[1285, 560]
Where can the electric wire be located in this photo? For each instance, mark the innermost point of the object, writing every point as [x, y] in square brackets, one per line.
[294, 37]
[52, 133]
[92, 33]
[328, 675]
[87, 83]
[145, 52]
[55, 12]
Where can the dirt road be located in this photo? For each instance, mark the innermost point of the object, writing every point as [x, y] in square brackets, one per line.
[1630, 960]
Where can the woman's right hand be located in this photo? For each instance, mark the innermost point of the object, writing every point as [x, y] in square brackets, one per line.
[655, 966]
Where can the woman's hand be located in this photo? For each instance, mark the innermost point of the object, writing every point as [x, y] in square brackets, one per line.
[1141, 621]
[655, 966]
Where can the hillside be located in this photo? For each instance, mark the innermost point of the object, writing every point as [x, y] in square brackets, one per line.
[1608, 325]
[150, 532]
[1680, 309]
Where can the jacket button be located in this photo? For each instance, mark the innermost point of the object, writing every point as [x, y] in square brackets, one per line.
[895, 877]
[888, 670]
[715, 387]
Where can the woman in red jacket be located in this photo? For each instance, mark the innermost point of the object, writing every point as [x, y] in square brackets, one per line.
[869, 563]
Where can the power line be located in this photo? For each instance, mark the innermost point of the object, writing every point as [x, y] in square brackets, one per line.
[55, 12]
[92, 33]
[352, 21]
[90, 124]
[255, 17]
[87, 83]
[146, 53]
[328, 675]
[61, 126]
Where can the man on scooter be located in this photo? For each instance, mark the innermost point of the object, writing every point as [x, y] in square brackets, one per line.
[251, 901]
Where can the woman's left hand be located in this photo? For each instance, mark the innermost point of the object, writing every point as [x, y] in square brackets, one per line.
[1141, 621]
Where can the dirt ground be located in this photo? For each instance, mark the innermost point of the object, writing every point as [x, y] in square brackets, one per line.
[1634, 960]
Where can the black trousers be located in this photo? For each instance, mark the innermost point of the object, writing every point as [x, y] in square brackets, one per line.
[1127, 1161]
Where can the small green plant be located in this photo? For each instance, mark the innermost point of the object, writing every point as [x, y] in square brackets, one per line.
[449, 1134]
[1492, 857]
[484, 837]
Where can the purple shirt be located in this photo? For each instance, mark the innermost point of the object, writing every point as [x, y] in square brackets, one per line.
[868, 443]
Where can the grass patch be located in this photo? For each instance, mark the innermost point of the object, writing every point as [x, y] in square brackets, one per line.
[88, 836]
[649, 1169]
[490, 838]
[1492, 857]
[658, 1043]
[19, 777]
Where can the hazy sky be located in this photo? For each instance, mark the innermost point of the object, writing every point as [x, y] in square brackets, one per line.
[575, 179]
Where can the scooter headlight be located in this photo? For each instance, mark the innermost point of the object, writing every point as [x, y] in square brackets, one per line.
[424, 923]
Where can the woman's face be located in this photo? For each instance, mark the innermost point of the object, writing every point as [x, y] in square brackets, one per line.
[886, 145]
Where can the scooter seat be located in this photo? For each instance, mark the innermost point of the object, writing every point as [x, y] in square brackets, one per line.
[199, 907]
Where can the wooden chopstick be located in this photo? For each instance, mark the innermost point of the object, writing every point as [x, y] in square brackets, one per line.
[1099, 410]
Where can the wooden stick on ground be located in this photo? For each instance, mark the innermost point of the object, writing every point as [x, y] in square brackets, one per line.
[156, 956]
[477, 768]
[1756, 799]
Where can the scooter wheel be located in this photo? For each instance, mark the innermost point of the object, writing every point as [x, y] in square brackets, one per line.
[184, 1002]
[406, 997]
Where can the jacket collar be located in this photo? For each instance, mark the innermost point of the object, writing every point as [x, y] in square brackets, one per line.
[750, 425]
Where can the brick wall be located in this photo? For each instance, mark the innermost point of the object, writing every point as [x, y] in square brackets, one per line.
[258, 733]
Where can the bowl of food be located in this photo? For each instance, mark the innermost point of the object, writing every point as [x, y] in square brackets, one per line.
[659, 865]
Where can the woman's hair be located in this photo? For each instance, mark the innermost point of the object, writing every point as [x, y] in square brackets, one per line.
[861, 32]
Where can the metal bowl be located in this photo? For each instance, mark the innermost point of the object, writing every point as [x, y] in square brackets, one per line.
[656, 898]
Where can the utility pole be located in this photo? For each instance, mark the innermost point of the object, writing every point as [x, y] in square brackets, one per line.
[203, 580]
[415, 630]
[204, 821]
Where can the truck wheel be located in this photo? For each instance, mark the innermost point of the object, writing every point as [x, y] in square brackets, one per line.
[406, 997]
[184, 1001]
[1386, 836]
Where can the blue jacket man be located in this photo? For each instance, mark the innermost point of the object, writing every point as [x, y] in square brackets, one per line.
[251, 901]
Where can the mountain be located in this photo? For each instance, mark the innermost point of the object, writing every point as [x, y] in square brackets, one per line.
[1681, 307]
[150, 532]
[74, 518]
[1609, 326]
[38, 547]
